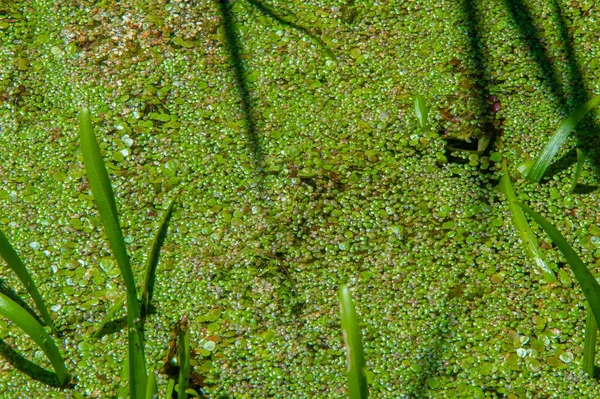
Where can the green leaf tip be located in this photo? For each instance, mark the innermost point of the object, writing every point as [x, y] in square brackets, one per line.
[357, 381]
[520, 222]
[556, 140]
[104, 198]
[421, 111]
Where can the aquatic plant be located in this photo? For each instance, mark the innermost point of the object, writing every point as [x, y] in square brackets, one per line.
[522, 226]
[556, 140]
[586, 280]
[357, 380]
[104, 197]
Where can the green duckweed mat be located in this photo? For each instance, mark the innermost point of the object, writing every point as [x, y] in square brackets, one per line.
[288, 129]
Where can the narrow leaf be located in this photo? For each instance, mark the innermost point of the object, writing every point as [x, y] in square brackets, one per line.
[421, 111]
[584, 277]
[118, 305]
[152, 260]
[16, 264]
[151, 388]
[589, 344]
[104, 197]
[184, 358]
[578, 168]
[26, 322]
[566, 127]
[522, 226]
[357, 381]
[170, 388]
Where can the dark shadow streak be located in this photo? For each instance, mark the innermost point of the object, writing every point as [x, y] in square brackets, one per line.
[233, 46]
[29, 368]
[479, 66]
[530, 34]
[268, 12]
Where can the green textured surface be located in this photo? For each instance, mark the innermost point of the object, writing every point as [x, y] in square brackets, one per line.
[323, 171]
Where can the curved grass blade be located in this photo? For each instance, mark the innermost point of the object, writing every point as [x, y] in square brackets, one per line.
[522, 226]
[566, 127]
[152, 260]
[184, 358]
[584, 277]
[578, 169]
[357, 381]
[26, 322]
[421, 111]
[16, 264]
[104, 197]
[589, 345]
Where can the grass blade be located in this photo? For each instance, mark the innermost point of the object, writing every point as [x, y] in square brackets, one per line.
[566, 127]
[16, 264]
[170, 388]
[584, 277]
[118, 305]
[421, 111]
[104, 197]
[184, 358]
[589, 345]
[522, 226]
[152, 388]
[152, 261]
[578, 169]
[357, 381]
[26, 322]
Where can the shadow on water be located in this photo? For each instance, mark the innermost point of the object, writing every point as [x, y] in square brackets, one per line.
[232, 43]
[27, 367]
[566, 96]
[483, 83]
[9, 292]
[268, 12]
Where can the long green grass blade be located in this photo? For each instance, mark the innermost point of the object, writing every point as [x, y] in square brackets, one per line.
[357, 381]
[522, 226]
[152, 260]
[421, 111]
[578, 169]
[104, 197]
[584, 277]
[589, 344]
[566, 127]
[16, 264]
[184, 358]
[26, 322]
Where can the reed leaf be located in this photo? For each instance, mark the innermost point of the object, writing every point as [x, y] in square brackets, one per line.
[102, 190]
[586, 280]
[184, 358]
[522, 226]
[589, 344]
[566, 127]
[421, 111]
[357, 381]
[26, 322]
[16, 264]
[578, 169]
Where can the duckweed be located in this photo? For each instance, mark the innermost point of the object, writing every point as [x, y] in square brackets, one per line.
[347, 187]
